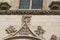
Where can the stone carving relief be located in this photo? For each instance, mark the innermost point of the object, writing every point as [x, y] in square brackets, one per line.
[25, 22]
[30, 12]
[26, 19]
[39, 31]
[53, 37]
[55, 5]
[4, 6]
[25, 31]
[11, 30]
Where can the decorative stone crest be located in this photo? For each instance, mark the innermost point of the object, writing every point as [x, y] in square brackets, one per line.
[25, 30]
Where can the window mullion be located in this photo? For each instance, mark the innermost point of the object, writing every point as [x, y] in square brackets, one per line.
[30, 4]
[19, 3]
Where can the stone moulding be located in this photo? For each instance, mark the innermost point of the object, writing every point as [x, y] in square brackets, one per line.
[23, 37]
[30, 12]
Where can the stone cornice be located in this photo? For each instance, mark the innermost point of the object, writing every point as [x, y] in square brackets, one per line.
[30, 12]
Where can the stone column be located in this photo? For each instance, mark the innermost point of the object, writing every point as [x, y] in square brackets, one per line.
[30, 4]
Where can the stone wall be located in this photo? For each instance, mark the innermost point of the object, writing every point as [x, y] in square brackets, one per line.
[15, 4]
[50, 23]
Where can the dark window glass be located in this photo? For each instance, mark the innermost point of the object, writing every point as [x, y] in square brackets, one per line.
[24, 4]
[37, 4]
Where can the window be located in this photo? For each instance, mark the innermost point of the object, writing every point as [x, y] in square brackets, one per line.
[31, 4]
[24, 4]
[37, 4]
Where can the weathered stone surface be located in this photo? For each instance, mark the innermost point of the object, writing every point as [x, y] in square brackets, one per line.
[55, 5]
[30, 12]
[4, 6]
[14, 3]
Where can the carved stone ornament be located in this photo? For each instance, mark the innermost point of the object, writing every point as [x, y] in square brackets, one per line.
[11, 30]
[25, 28]
[24, 33]
[54, 37]
[55, 5]
[4, 6]
[26, 18]
[30, 12]
[39, 31]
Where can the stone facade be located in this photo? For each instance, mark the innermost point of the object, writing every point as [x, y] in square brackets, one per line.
[48, 19]
[15, 4]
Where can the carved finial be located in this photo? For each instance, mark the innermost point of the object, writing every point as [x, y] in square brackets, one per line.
[39, 31]
[11, 30]
[54, 37]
